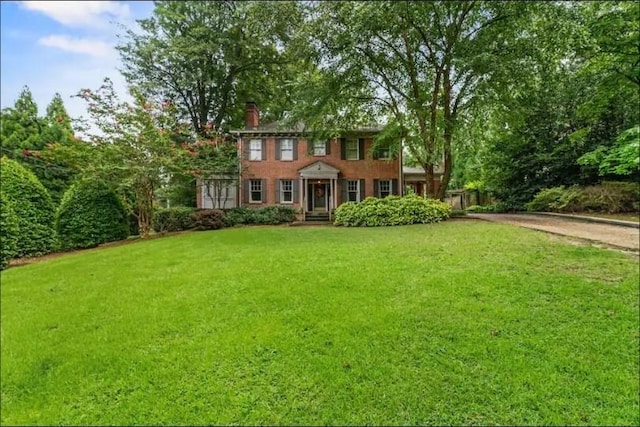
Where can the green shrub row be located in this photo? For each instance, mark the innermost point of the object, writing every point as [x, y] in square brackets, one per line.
[173, 219]
[9, 232]
[32, 205]
[392, 210]
[609, 197]
[269, 215]
[90, 213]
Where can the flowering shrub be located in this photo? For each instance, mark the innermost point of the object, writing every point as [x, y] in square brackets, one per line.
[33, 207]
[90, 213]
[392, 210]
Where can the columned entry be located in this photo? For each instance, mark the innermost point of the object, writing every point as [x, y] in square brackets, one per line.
[319, 189]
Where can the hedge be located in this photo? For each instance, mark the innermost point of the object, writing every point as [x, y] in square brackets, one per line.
[33, 207]
[610, 197]
[392, 210]
[269, 215]
[9, 230]
[173, 219]
[89, 214]
[208, 219]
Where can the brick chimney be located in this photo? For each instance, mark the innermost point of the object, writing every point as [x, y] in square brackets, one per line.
[252, 115]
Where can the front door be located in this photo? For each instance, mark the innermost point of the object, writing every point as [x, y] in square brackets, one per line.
[319, 196]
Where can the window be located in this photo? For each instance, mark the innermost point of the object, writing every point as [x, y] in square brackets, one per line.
[286, 149]
[256, 191]
[352, 149]
[255, 149]
[286, 191]
[384, 188]
[353, 191]
[384, 153]
[319, 148]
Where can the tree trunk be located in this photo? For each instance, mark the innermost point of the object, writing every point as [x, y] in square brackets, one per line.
[428, 177]
[144, 196]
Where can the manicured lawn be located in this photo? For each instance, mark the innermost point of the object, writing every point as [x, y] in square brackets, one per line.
[456, 323]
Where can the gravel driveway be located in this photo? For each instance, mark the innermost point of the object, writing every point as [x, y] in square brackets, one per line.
[613, 235]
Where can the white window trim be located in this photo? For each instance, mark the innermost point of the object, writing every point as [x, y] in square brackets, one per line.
[289, 150]
[357, 190]
[346, 149]
[251, 190]
[319, 146]
[390, 183]
[255, 154]
[282, 191]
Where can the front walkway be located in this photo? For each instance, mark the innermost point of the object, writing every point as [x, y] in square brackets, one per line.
[613, 235]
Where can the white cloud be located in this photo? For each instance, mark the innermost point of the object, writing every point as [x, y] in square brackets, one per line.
[89, 14]
[78, 45]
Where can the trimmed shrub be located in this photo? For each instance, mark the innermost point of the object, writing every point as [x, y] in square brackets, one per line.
[33, 207]
[9, 230]
[207, 219]
[392, 210]
[610, 197]
[173, 219]
[269, 215]
[89, 214]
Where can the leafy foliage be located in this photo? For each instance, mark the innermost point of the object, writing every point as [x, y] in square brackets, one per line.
[32, 205]
[392, 210]
[210, 57]
[173, 219]
[9, 232]
[268, 215]
[622, 159]
[610, 197]
[208, 219]
[89, 214]
[134, 150]
[28, 138]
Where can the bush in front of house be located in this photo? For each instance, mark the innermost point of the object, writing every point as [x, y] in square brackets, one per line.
[33, 207]
[90, 213]
[392, 210]
[208, 219]
[609, 197]
[9, 230]
[173, 219]
[268, 215]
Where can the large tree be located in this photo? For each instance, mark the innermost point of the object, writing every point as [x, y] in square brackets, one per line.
[26, 137]
[415, 65]
[133, 150]
[210, 57]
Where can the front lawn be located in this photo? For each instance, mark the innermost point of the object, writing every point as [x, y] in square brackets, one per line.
[453, 323]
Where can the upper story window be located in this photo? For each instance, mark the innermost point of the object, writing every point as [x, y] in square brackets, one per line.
[255, 149]
[352, 149]
[286, 149]
[319, 148]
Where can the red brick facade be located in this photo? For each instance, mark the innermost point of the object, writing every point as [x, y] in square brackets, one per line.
[286, 168]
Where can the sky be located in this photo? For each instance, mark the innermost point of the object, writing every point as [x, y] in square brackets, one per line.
[63, 46]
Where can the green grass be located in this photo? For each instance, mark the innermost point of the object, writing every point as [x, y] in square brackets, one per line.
[453, 323]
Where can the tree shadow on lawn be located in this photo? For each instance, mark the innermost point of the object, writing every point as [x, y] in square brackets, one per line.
[53, 255]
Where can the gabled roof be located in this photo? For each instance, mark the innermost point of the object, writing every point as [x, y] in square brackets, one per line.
[319, 170]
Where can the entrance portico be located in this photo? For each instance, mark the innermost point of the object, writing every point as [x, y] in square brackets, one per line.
[319, 187]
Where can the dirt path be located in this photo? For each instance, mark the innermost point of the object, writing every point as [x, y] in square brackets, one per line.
[613, 235]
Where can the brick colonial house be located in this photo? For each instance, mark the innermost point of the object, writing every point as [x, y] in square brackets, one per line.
[284, 167]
